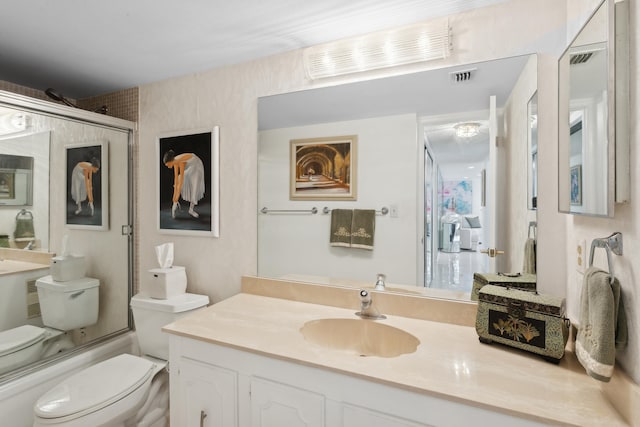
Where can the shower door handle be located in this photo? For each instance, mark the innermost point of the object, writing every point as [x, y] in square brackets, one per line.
[492, 252]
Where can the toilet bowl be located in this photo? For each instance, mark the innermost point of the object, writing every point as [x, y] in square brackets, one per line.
[64, 306]
[125, 390]
[20, 346]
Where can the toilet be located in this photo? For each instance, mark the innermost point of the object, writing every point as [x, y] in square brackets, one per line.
[125, 390]
[64, 306]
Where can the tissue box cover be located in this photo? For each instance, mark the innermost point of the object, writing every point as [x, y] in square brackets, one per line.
[525, 282]
[67, 268]
[165, 283]
[521, 319]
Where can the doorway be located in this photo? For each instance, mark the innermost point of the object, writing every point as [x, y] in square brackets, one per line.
[456, 214]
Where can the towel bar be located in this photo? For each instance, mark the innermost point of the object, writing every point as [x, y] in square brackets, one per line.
[383, 211]
[266, 210]
[613, 244]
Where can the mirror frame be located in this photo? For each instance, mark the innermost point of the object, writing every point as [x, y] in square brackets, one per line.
[37, 106]
[618, 163]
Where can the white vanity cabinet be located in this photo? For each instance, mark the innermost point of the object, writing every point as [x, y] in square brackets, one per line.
[218, 386]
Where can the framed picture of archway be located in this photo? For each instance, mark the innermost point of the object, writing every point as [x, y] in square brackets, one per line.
[323, 168]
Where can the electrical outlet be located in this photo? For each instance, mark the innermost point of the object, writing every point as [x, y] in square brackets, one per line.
[581, 256]
[393, 211]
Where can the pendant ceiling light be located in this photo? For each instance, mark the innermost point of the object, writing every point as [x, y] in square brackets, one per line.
[407, 45]
[467, 130]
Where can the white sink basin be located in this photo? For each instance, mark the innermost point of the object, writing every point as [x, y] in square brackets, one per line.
[360, 337]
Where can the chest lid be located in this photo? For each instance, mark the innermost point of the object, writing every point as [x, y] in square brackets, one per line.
[518, 280]
[523, 300]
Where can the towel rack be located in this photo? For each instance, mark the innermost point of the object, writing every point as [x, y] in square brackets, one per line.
[613, 244]
[533, 225]
[383, 211]
[312, 211]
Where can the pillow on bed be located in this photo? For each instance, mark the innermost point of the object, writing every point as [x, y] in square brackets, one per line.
[473, 221]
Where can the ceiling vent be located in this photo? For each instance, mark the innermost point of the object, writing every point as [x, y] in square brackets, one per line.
[462, 75]
[580, 58]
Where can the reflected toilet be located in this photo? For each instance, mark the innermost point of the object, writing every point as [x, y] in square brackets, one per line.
[126, 389]
[65, 306]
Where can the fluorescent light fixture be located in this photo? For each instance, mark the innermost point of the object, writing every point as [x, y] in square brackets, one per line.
[406, 45]
[14, 122]
[467, 130]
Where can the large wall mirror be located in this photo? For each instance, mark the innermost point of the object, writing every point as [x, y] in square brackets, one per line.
[593, 148]
[427, 158]
[35, 162]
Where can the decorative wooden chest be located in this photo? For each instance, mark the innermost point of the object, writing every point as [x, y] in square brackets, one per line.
[525, 282]
[522, 319]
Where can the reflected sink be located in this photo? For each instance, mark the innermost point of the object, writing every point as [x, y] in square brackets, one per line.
[359, 336]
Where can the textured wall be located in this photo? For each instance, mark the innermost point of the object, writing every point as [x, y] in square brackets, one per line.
[228, 97]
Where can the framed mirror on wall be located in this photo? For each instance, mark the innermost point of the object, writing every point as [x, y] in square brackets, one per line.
[532, 153]
[392, 118]
[593, 145]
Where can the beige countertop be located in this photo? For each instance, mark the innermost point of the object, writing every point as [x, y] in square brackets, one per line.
[9, 266]
[18, 260]
[449, 363]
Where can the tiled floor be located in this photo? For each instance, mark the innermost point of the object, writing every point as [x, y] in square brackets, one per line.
[454, 271]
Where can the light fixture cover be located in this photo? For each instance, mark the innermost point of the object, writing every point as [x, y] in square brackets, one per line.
[14, 122]
[467, 130]
[406, 45]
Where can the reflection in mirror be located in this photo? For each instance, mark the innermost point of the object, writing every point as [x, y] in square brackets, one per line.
[34, 327]
[532, 153]
[15, 180]
[586, 148]
[401, 171]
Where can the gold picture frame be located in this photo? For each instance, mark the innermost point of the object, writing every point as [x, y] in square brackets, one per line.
[323, 168]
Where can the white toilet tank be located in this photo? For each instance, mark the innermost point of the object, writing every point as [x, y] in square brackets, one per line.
[150, 315]
[68, 305]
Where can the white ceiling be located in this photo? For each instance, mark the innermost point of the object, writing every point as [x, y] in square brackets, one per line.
[87, 48]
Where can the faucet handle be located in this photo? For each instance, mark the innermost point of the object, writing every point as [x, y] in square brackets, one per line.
[364, 296]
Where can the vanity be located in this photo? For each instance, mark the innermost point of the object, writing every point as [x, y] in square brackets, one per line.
[245, 362]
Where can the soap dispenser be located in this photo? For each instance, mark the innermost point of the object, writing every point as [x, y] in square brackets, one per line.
[380, 282]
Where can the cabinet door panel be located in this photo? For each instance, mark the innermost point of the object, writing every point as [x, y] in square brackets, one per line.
[354, 416]
[277, 405]
[209, 395]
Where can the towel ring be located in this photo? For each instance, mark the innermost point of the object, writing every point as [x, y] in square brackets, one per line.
[613, 244]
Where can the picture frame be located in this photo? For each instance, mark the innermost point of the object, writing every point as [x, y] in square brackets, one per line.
[7, 184]
[323, 168]
[87, 186]
[576, 185]
[187, 182]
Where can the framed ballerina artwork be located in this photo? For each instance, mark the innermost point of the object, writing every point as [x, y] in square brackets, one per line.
[87, 186]
[188, 183]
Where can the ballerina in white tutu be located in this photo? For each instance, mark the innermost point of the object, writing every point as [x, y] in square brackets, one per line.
[188, 180]
[82, 183]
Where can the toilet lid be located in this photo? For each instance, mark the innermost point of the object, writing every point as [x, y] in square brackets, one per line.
[95, 387]
[18, 338]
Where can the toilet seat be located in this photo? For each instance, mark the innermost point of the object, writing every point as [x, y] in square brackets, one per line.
[95, 388]
[18, 338]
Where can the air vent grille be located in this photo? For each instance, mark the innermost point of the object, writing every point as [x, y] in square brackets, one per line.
[462, 75]
[580, 58]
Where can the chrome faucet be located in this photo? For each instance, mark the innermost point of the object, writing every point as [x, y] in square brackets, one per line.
[367, 310]
[380, 282]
